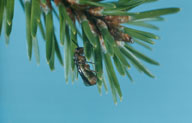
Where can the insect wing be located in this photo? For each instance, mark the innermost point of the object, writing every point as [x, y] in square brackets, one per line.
[85, 80]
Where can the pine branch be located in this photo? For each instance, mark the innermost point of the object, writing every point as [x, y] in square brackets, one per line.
[105, 34]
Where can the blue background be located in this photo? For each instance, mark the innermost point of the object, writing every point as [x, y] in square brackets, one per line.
[33, 94]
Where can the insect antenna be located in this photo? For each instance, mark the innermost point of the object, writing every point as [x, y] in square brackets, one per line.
[75, 43]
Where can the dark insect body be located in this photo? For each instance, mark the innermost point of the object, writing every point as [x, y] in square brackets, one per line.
[88, 76]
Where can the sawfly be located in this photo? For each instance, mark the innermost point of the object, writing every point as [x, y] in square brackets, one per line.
[88, 76]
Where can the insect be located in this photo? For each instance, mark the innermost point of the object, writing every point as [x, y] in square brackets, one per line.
[89, 76]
